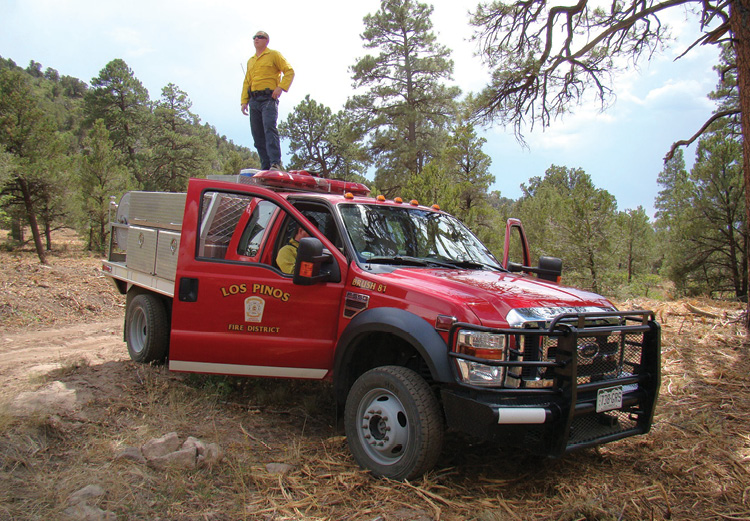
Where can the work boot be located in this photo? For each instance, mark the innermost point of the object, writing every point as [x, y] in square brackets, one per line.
[276, 166]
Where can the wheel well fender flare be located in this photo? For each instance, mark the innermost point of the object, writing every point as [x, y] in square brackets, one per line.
[403, 324]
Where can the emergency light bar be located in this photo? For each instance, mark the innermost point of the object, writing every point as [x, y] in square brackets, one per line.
[304, 181]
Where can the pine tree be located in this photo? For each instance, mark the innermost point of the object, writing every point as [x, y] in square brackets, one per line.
[27, 133]
[179, 151]
[406, 107]
[101, 175]
[635, 239]
[324, 142]
[566, 216]
[119, 99]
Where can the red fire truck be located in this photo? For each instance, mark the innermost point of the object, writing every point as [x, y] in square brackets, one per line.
[417, 325]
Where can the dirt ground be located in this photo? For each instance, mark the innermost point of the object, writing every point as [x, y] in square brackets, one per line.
[63, 323]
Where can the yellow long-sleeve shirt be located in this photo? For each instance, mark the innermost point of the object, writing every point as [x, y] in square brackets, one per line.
[286, 258]
[265, 72]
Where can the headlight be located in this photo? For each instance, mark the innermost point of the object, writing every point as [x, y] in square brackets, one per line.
[480, 345]
[474, 373]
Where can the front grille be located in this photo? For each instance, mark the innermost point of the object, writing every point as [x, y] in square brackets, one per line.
[600, 358]
[606, 358]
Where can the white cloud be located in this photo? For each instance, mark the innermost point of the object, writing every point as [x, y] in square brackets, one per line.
[132, 41]
[676, 94]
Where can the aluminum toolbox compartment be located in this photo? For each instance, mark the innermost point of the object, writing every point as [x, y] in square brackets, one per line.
[141, 252]
[167, 249]
[156, 209]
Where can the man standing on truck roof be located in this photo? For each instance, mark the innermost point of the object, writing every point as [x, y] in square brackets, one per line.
[261, 89]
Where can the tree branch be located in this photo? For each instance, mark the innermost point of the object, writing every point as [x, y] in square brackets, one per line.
[627, 23]
[712, 37]
[686, 142]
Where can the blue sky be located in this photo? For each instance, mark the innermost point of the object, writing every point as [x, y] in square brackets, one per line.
[202, 47]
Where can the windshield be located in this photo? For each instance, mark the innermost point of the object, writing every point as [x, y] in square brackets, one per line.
[387, 234]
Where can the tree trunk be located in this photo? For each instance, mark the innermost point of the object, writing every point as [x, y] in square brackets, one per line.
[739, 23]
[592, 269]
[48, 234]
[32, 221]
[630, 262]
[103, 237]
[16, 229]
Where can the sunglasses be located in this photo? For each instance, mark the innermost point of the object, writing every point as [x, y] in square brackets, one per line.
[260, 37]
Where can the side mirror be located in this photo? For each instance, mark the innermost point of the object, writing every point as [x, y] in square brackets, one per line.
[550, 268]
[313, 264]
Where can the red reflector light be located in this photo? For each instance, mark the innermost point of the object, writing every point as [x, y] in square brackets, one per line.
[303, 180]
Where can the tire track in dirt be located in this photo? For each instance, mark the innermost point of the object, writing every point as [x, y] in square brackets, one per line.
[28, 355]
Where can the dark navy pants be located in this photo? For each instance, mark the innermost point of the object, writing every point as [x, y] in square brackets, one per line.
[264, 110]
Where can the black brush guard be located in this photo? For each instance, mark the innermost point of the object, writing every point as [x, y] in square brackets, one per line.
[567, 418]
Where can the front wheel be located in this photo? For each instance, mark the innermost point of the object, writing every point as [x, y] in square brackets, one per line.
[393, 422]
[147, 329]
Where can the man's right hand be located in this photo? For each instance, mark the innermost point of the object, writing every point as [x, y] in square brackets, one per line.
[244, 109]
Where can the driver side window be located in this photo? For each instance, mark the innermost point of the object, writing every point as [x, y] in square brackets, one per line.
[252, 237]
[238, 227]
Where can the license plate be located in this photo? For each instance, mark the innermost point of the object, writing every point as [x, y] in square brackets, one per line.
[609, 399]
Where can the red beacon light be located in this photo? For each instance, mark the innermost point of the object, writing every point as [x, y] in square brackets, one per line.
[302, 180]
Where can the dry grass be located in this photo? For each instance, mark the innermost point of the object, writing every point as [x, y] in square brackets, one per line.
[72, 287]
[695, 463]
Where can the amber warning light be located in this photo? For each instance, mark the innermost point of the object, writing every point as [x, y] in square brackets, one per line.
[306, 269]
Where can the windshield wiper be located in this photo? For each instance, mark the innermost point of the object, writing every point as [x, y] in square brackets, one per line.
[477, 265]
[467, 264]
[407, 260]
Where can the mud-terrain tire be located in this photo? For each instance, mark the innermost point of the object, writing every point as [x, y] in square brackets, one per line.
[394, 426]
[147, 329]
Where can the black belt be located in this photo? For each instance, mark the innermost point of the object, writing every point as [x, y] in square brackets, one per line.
[264, 92]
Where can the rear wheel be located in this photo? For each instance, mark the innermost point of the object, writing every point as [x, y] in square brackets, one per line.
[147, 329]
[394, 426]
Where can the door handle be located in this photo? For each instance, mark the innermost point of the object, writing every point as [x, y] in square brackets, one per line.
[188, 291]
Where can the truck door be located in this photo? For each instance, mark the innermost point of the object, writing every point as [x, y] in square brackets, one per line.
[516, 247]
[234, 311]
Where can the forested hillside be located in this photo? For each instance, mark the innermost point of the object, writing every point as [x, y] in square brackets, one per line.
[68, 146]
